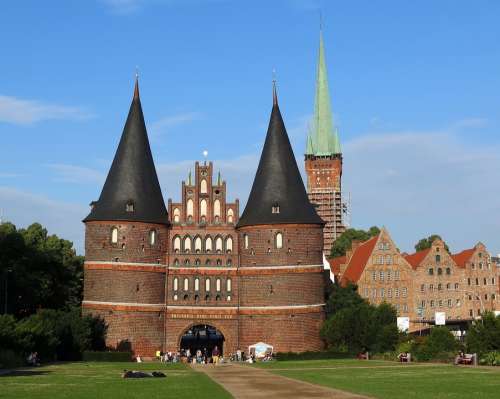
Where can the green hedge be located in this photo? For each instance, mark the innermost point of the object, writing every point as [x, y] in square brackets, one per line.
[314, 355]
[490, 359]
[89, 356]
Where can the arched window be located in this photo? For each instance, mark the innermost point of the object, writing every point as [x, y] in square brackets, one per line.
[186, 284]
[230, 216]
[196, 284]
[152, 237]
[114, 235]
[203, 208]
[187, 244]
[177, 215]
[208, 244]
[207, 285]
[279, 240]
[177, 244]
[203, 186]
[228, 285]
[197, 244]
[217, 285]
[245, 241]
[176, 262]
[176, 284]
[197, 262]
[229, 244]
[190, 207]
[216, 208]
[218, 244]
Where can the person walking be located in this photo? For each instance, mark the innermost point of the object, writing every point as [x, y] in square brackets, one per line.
[215, 355]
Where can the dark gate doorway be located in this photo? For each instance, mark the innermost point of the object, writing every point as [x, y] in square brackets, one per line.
[203, 337]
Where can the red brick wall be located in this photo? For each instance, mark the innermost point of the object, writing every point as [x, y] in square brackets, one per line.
[282, 289]
[302, 245]
[133, 242]
[124, 286]
[287, 333]
[144, 330]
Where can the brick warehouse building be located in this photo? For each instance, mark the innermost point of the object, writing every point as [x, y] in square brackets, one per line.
[162, 280]
[462, 285]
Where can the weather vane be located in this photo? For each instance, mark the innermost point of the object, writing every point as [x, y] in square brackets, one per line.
[137, 72]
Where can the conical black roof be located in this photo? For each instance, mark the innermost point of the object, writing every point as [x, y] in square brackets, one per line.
[131, 191]
[278, 195]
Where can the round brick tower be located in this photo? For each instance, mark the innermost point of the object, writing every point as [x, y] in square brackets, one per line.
[281, 285]
[126, 245]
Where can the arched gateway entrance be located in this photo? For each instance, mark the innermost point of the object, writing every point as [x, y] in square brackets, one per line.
[203, 337]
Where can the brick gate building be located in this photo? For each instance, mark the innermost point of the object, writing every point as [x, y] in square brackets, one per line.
[154, 274]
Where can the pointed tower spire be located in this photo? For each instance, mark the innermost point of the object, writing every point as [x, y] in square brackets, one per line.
[278, 195]
[325, 136]
[219, 179]
[275, 96]
[131, 191]
[189, 178]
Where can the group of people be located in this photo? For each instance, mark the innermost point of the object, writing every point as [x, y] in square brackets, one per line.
[33, 359]
[205, 356]
[186, 356]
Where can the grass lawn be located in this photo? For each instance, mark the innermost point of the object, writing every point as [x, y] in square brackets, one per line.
[102, 380]
[392, 380]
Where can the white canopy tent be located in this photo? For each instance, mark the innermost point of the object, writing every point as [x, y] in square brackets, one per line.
[260, 349]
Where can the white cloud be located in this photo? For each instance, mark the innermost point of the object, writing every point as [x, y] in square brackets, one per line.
[61, 218]
[76, 174]
[419, 183]
[163, 125]
[25, 112]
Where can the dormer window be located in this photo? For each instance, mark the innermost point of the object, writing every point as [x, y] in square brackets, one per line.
[276, 208]
[129, 207]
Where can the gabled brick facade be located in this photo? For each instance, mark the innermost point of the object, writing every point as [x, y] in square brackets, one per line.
[462, 286]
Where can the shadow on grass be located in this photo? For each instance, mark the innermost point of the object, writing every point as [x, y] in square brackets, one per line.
[24, 373]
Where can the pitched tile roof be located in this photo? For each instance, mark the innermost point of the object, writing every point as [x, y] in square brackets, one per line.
[415, 259]
[359, 260]
[463, 257]
[336, 262]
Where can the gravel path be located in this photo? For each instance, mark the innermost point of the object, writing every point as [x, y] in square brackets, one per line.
[250, 382]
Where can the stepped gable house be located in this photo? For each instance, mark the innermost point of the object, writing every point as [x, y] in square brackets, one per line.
[198, 275]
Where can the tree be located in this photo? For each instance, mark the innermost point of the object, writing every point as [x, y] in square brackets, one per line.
[42, 270]
[343, 297]
[484, 336]
[354, 325]
[343, 243]
[426, 243]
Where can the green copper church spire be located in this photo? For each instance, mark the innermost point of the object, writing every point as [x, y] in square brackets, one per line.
[324, 139]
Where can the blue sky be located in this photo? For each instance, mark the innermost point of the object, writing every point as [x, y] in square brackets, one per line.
[415, 88]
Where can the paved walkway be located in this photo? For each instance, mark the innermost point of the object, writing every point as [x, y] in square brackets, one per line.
[251, 382]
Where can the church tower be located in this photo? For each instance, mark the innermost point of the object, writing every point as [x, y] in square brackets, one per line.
[281, 287]
[126, 235]
[323, 159]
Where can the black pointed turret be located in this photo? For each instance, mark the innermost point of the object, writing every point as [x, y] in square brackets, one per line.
[278, 194]
[131, 191]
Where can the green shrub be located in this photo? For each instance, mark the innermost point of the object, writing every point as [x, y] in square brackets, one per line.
[484, 335]
[9, 358]
[89, 356]
[490, 359]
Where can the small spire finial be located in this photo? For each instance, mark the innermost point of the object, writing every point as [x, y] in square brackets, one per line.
[275, 96]
[320, 21]
[136, 88]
